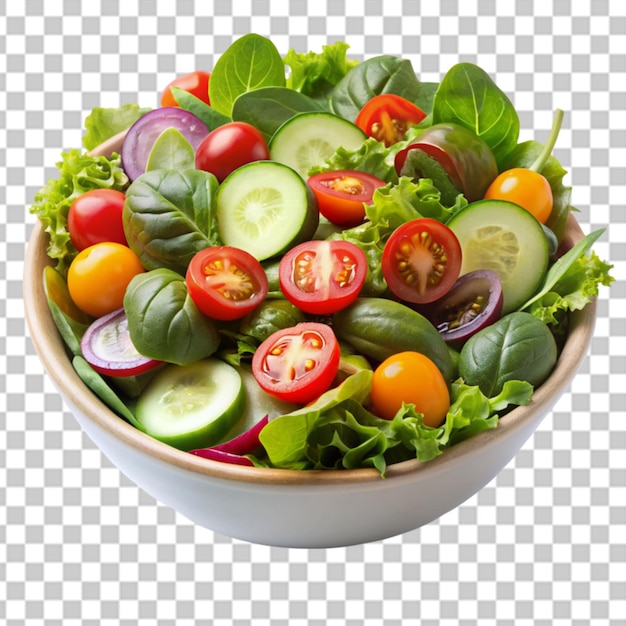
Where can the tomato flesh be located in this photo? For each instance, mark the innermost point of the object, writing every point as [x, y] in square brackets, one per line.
[226, 283]
[421, 260]
[387, 117]
[322, 277]
[230, 146]
[412, 378]
[196, 83]
[96, 216]
[297, 364]
[342, 195]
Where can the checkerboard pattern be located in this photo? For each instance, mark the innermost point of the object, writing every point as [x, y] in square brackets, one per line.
[543, 544]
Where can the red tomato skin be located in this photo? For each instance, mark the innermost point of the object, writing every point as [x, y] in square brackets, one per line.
[425, 287]
[230, 146]
[196, 83]
[96, 217]
[393, 114]
[207, 273]
[300, 385]
[324, 264]
[341, 195]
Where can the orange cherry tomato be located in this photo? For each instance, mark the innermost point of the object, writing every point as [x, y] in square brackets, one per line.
[412, 378]
[524, 187]
[387, 117]
[196, 83]
[98, 277]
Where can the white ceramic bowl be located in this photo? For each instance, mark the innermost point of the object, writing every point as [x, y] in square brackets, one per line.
[305, 509]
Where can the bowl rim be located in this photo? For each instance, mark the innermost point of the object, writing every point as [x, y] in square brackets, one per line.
[57, 364]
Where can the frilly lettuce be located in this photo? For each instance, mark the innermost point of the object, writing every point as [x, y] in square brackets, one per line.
[337, 431]
[315, 74]
[78, 173]
[102, 123]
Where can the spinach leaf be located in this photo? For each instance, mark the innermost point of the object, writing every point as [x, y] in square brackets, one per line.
[169, 215]
[251, 62]
[516, 347]
[468, 96]
[163, 321]
[268, 108]
[171, 150]
[381, 74]
[193, 104]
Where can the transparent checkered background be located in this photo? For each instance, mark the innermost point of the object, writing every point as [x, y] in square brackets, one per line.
[544, 543]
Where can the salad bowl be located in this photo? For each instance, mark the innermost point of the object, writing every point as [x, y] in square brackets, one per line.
[294, 508]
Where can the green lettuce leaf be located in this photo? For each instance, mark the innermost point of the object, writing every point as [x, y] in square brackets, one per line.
[315, 74]
[102, 123]
[337, 431]
[78, 173]
[574, 290]
[394, 205]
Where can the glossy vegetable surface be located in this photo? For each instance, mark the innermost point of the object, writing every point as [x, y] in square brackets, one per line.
[378, 328]
[410, 378]
[421, 260]
[387, 117]
[342, 194]
[322, 277]
[195, 83]
[297, 364]
[457, 159]
[99, 275]
[96, 216]
[226, 283]
[230, 146]
[107, 347]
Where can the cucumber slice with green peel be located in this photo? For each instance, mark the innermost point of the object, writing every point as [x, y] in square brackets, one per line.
[503, 237]
[308, 139]
[265, 208]
[192, 406]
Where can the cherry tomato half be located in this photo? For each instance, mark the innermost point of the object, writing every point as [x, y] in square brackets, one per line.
[226, 283]
[412, 378]
[525, 187]
[96, 216]
[196, 83]
[322, 277]
[341, 195]
[98, 277]
[387, 117]
[297, 364]
[421, 260]
[230, 146]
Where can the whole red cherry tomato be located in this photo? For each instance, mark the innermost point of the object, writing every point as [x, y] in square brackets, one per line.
[96, 216]
[230, 146]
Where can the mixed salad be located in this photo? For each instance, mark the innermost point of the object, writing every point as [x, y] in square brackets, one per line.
[311, 262]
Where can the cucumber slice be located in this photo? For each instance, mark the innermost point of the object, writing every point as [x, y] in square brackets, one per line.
[308, 139]
[265, 208]
[503, 237]
[192, 406]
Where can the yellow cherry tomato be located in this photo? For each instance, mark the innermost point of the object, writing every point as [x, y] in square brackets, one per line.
[98, 277]
[525, 187]
[412, 378]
